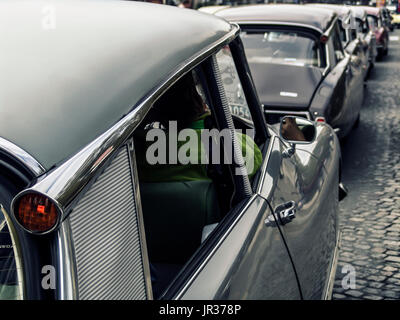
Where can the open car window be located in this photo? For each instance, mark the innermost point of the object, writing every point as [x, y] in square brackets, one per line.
[233, 88]
[186, 184]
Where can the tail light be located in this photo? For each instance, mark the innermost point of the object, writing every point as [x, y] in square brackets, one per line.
[320, 119]
[324, 39]
[36, 212]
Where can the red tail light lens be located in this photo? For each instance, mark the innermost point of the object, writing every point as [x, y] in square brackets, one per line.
[36, 212]
[320, 119]
[324, 39]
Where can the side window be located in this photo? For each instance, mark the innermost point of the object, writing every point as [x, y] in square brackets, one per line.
[233, 88]
[180, 202]
[185, 183]
[8, 271]
[10, 283]
[373, 23]
[343, 35]
[359, 26]
[337, 46]
[353, 33]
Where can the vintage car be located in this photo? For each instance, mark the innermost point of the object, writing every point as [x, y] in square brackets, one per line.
[79, 217]
[365, 33]
[352, 44]
[396, 20]
[380, 28]
[387, 18]
[299, 65]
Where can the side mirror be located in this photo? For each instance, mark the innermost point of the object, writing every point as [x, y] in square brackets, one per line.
[297, 130]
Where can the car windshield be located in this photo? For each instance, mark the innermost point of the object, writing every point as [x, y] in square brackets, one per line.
[281, 47]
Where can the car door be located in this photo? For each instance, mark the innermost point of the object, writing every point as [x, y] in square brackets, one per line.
[340, 114]
[366, 41]
[357, 64]
[247, 257]
[303, 180]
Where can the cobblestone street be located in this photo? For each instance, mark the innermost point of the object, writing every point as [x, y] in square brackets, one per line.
[370, 215]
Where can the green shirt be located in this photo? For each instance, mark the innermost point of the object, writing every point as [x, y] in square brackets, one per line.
[191, 171]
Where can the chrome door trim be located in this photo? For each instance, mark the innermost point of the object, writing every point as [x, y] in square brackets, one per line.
[215, 248]
[65, 183]
[140, 220]
[22, 156]
[327, 292]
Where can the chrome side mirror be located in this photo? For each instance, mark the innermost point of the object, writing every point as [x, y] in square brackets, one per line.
[297, 130]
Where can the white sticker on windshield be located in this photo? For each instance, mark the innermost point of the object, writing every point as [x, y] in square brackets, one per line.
[288, 94]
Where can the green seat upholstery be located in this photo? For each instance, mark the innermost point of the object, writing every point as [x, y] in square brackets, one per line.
[174, 216]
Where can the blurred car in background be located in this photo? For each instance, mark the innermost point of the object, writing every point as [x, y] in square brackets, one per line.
[396, 19]
[365, 34]
[381, 30]
[352, 43]
[299, 64]
[387, 18]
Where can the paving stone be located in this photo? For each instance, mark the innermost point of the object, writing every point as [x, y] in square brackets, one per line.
[372, 291]
[370, 215]
[391, 294]
[389, 268]
[392, 258]
[371, 297]
[337, 296]
[354, 293]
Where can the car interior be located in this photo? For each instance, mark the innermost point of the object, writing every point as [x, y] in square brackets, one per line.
[179, 215]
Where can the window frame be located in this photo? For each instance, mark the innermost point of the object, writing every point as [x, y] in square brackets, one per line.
[177, 286]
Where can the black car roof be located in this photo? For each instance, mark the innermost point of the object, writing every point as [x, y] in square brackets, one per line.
[66, 79]
[309, 16]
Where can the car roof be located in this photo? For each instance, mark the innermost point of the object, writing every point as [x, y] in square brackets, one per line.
[213, 9]
[313, 17]
[371, 10]
[69, 77]
[343, 11]
[359, 12]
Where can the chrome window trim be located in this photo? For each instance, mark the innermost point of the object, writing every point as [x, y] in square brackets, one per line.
[331, 27]
[300, 113]
[216, 247]
[279, 23]
[65, 183]
[67, 275]
[22, 156]
[140, 220]
[17, 252]
[265, 162]
[328, 61]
